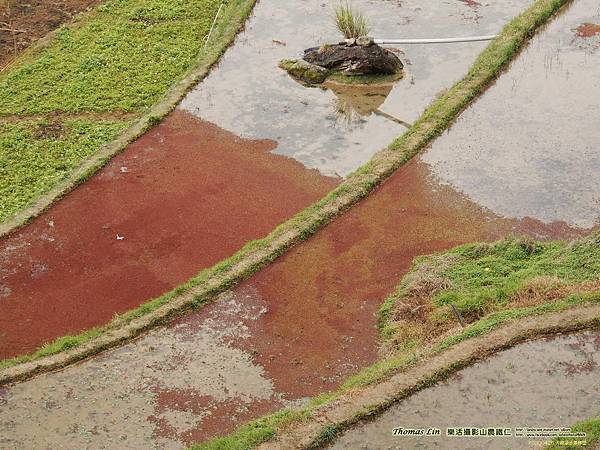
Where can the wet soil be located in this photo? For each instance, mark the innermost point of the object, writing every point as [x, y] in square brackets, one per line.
[552, 382]
[148, 396]
[181, 198]
[32, 20]
[588, 30]
[471, 3]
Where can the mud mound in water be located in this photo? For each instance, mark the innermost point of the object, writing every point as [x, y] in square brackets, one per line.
[365, 58]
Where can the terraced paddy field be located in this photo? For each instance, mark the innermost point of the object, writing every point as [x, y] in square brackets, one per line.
[189, 193]
[246, 150]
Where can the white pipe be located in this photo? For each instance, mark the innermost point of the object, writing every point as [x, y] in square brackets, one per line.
[213, 25]
[434, 41]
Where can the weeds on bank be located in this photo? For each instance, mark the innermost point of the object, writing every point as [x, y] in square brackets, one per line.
[591, 427]
[350, 22]
[482, 280]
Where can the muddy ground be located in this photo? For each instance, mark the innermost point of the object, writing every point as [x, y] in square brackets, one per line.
[31, 20]
[553, 382]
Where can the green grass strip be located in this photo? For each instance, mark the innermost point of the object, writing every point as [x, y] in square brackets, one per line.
[592, 429]
[257, 254]
[117, 60]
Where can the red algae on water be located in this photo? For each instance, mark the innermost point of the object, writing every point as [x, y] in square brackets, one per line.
[181, 198]
[587, 30]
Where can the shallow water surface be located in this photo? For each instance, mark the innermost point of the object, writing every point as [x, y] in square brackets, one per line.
[249, 95]
[553, 382]
[530, 147]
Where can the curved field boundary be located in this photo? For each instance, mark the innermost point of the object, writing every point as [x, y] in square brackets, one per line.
[356, 405]
[257, 254]
[231, 21]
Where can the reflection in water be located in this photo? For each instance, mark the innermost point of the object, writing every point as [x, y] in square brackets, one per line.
[249, 95]
[547, 383]
[529, 146]
[357, 101]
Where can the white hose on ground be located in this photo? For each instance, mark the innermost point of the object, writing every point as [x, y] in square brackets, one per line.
[207, 38]
[434, 41]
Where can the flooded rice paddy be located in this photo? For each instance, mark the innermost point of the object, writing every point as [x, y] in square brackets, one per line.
[189, 193]
[549, 383]
[306, 322]
[529, 146]
[183, 197]
[252, 97]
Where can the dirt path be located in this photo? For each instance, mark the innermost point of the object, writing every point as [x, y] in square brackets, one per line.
[22, 23]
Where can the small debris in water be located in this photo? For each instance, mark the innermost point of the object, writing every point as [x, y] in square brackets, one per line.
[120, 238]
[124, 169]
[587, 30]
[471, 3]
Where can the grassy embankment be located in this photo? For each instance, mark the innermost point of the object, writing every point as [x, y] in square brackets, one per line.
[592, 429]
[256, 254]
[489, 284]
[98, 75]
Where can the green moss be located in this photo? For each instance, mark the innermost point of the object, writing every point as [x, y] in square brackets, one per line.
[303, 71]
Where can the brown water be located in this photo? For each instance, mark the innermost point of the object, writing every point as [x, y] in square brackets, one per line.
[551, 382]
[181, 198]
[188, 193]
[297, 328]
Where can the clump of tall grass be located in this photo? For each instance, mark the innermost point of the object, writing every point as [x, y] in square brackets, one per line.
[351, 23]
